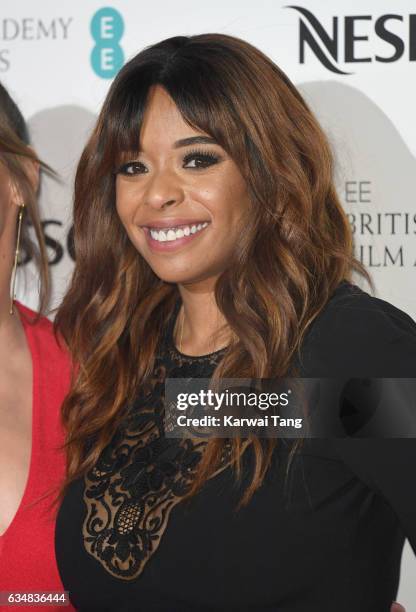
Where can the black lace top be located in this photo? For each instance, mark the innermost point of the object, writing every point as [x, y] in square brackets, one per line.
[327, 535]
[142, 475]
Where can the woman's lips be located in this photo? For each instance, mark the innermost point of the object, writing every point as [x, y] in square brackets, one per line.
[171, 245]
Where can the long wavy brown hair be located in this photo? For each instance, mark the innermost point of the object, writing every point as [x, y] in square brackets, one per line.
[296, 249]
[14, 150]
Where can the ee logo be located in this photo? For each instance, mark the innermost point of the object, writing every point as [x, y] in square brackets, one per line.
[107, 56]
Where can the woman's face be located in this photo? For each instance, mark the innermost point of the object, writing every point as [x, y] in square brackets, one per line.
[180, 200]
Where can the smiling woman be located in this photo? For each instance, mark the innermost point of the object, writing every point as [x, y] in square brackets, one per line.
[167, 173]
[210, 242]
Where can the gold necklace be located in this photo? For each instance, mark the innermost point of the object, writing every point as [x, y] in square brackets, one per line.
[180, 337]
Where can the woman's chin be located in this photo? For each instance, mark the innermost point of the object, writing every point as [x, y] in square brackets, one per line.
[184, 277]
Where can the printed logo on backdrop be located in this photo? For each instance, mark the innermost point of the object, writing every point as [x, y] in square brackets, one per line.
[380, 233]
[351, 38]
[107, 28]
[24, 29]
[374, 177]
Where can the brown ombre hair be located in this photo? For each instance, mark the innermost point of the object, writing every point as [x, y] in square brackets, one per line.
[14, 150]
[296, 249]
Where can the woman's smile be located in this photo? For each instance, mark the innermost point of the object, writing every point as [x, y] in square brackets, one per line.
[173, 238]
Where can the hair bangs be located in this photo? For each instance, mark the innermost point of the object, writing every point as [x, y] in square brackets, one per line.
[122, 137]
[196, 89]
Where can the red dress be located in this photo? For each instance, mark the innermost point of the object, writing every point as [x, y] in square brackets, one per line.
[27, 552]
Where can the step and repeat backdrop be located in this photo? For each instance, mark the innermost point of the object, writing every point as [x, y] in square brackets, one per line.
[354, 63]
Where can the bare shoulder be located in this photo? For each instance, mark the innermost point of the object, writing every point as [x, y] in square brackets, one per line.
[40, 330]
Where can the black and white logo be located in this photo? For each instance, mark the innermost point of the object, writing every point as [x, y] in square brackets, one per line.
[351, 39]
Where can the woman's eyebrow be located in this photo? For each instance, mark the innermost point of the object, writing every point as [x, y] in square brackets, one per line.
[184, 142]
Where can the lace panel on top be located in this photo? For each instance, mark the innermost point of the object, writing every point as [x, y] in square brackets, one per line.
[141, 475]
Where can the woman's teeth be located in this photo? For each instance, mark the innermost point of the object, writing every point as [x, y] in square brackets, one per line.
[174, 234]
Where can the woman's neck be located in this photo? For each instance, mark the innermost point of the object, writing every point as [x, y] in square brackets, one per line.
[200, 326]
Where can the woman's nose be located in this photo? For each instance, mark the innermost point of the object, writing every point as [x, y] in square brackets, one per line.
[164, 188]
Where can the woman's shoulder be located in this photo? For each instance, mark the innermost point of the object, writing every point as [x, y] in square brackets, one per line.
[30, 316]
[351, 304]
[40, 330]
[353, 314]
[361, 335]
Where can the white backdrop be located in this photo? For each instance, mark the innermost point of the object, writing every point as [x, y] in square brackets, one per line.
[355, 66]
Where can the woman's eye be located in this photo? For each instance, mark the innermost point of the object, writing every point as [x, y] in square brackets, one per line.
[194, 159]
[131, 168]
[199, 159]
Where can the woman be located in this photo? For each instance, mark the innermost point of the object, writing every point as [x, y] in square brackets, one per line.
[209, 238]
[34, 377]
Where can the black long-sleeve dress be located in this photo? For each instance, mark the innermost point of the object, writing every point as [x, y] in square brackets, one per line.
[325, 536]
